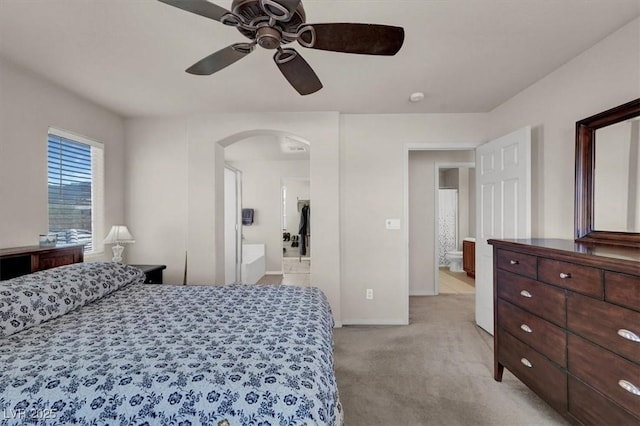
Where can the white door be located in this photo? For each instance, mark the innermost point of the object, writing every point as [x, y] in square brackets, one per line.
[503, 197]
[232, 225]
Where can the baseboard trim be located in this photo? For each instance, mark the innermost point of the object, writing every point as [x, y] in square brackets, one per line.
[273, 273]
[337, 324]
[367, 321]
[422, 293]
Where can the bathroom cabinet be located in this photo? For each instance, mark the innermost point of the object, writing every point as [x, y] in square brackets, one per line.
[469, 258]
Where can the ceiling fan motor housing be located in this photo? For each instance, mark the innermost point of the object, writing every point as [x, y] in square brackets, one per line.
[252, 13]
[268, 38]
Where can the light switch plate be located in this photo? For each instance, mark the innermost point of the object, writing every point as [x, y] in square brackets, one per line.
[393, 224]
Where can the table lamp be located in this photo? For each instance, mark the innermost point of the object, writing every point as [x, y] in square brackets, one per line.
[119, 234]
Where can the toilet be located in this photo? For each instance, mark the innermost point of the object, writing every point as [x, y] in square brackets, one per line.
[455, 261]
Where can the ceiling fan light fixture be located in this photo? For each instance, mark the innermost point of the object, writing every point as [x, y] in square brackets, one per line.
[271, 24]
[416, 97]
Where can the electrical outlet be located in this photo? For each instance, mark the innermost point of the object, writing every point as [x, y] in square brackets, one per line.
[369, 294]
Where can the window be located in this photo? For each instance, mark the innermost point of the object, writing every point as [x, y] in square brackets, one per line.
[75, 187]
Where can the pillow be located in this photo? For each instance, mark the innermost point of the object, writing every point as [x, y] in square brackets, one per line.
[35, 298]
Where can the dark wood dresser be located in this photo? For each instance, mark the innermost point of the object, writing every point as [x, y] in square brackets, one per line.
[18, 261]
[567, 324]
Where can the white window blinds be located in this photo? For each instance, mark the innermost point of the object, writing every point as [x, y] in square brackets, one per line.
[75, 188]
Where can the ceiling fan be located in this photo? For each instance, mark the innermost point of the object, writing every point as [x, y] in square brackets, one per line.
[274, 23]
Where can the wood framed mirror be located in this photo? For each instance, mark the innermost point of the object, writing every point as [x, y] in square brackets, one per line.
[607, 191]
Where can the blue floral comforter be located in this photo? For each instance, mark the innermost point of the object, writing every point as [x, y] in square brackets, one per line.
[179, 355]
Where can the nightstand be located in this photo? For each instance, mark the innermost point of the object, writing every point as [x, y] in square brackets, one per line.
[153, 273]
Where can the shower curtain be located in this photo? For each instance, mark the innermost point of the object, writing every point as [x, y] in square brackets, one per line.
[447, 222]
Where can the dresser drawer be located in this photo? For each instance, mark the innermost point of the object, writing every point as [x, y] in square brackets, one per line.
[582, 279]
[541, 299]
[605, 371]
[608, 325]
[622, 289]
[523, 264]
[548, 339]
[533, 369]
[592, 408]
[51, 261]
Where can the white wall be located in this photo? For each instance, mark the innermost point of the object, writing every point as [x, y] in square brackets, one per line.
[187, 193]
[422, 215]
[29, 104]
[261, 183]
[602, 77]
[372, 167]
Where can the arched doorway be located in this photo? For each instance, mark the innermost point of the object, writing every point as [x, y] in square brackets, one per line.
[257, 221]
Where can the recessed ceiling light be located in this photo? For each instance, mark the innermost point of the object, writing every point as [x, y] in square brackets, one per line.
[416, 97]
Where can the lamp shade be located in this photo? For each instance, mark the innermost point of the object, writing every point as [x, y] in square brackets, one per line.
[119, 234]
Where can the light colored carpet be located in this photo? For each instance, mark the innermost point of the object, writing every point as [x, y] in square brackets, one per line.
[436, 371]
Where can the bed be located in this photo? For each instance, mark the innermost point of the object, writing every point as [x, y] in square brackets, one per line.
[89, 344]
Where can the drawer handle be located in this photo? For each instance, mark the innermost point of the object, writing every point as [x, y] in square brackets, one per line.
[525, 293]
[629, 335]
[526, 328]
[514, 262]
[629, 387]
[564, 276]
[528, 364]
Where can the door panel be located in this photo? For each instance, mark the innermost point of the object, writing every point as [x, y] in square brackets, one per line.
[504, 211]
[510, 203]
[488, 214]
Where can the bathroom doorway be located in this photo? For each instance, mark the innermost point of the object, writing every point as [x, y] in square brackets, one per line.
[264, 159]
[454, 227]
[423, 182]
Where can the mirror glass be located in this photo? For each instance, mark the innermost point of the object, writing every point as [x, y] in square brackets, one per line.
[617, 177]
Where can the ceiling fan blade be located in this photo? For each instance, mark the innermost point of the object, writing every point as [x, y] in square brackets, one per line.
[291, 5]
[366, 39]
[297, 71]
[200, 7]
[221, 59]
[280, 10]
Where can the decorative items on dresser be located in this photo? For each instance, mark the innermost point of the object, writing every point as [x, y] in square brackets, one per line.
[567, 324]
[17, 261]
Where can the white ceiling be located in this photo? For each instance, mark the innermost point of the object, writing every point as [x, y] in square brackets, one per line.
[265, 148]
[465, 55]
